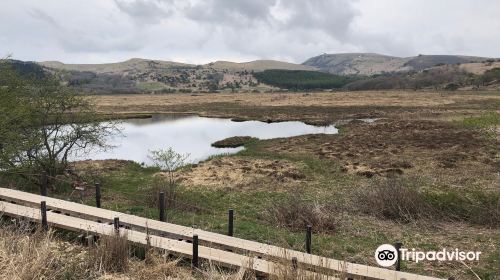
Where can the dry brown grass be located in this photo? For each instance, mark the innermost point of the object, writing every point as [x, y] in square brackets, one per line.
[27, 253]
[296, 212]
[400, 200]
[394, 199]
[243, 174]
[149, 103]
[112, 254]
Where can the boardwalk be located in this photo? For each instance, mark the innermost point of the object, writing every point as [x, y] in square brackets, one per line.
[221, 249]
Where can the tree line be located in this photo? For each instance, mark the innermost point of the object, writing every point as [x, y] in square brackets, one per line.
[301, 80]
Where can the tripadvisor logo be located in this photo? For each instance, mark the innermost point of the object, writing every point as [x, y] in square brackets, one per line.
[387, 255]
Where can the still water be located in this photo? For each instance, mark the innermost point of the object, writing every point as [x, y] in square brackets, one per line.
[193, 135]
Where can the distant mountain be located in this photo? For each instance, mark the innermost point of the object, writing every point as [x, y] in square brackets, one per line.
[138, 64]
[143, 75]
[134, 64]
[259, 65]
[372, 63]
[352, 71]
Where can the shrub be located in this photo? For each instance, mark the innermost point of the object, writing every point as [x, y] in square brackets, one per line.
[476, 207]
[158, 185]
[395, 199]
[173, 196]
[169, 161]
[399, 200]
[296, 212]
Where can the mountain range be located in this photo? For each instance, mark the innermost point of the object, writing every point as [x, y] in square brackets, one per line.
[338, 64]
[143, 75]
[372, 63]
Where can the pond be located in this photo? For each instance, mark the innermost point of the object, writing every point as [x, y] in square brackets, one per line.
[193, 135]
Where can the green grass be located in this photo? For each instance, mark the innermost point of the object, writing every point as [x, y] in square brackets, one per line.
[150, 86]
[484, 121]
[471, 205]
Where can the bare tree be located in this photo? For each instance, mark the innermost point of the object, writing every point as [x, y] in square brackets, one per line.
[169, 161]
[44, 125]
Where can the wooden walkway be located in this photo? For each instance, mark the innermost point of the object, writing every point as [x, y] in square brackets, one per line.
[218, 248]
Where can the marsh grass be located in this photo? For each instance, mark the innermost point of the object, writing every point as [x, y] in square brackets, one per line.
[473, 206]
[400, 200]
[394, 199]
[488, 123]
[112, 254]
[483, 121]
[29, 253]
[296, 212]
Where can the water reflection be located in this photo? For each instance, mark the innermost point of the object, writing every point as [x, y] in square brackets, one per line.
[193, 135]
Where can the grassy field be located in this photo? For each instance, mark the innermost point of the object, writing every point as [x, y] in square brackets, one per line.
[426, 174]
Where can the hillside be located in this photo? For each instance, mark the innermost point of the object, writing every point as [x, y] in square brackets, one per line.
[139, 64]
[258, 65]
[372, 64]
[362, 71]
[134, 64]
[141, 75]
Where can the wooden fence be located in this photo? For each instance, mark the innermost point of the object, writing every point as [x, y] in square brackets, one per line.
[224, 250]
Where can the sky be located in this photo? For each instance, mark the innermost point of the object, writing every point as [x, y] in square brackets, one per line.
[195, 31]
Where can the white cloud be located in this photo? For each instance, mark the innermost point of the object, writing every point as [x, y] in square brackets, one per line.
[197, 31]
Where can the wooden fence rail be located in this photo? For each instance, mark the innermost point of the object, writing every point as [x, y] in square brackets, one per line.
[218, 248]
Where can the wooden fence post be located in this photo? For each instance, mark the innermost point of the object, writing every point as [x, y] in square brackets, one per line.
[398, 253]
[308, 239]
[43, 209]
[194, 261]
[230, 222]
[44, 181]
[98, 195]
[116, 223]
[161, 204]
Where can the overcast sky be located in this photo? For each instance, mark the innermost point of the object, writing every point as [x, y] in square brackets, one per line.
[97, 31]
